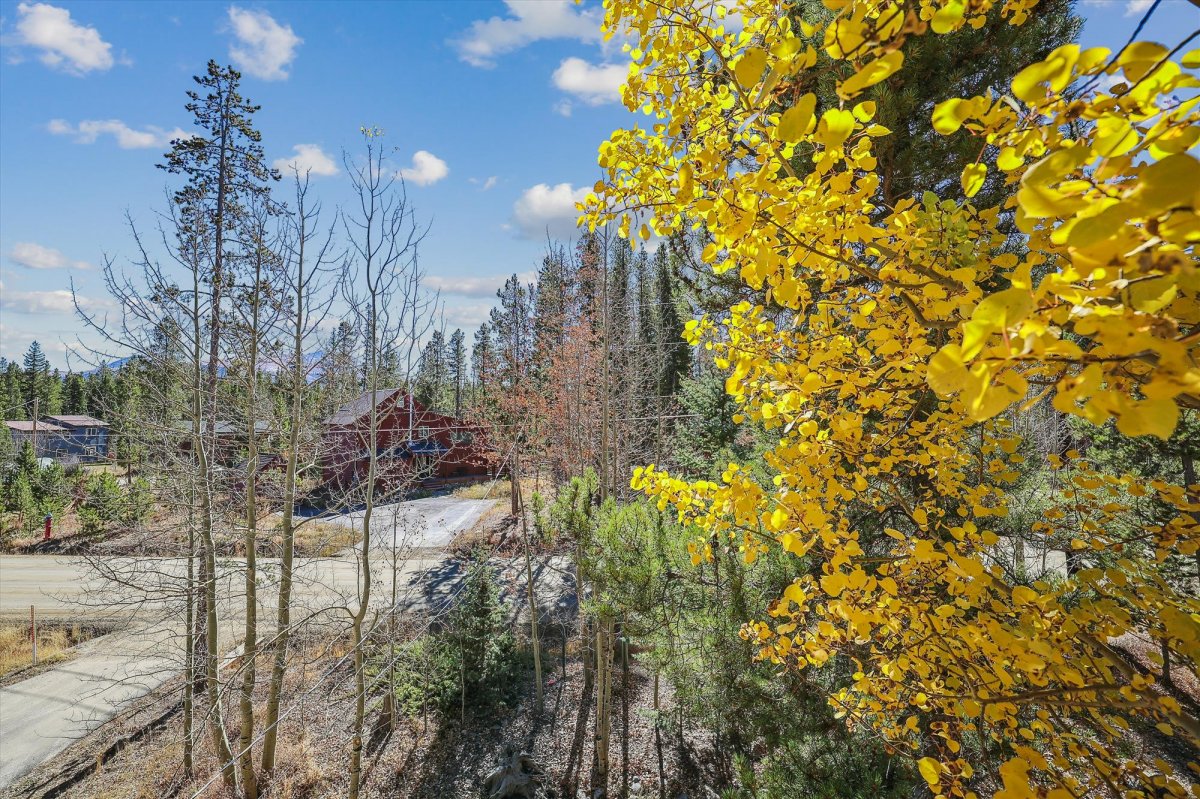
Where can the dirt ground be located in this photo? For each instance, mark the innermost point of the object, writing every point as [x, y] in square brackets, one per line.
[423, 758]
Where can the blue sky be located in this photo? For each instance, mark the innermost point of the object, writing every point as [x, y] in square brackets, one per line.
[495, 110]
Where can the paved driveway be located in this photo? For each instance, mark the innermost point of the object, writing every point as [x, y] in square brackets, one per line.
[429, 523]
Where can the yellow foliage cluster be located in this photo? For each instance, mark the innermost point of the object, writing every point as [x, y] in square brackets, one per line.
[886, 343]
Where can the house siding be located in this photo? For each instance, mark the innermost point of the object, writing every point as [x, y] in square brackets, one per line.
[441, 447]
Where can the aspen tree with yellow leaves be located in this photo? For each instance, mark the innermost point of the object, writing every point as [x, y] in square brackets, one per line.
[887, 344]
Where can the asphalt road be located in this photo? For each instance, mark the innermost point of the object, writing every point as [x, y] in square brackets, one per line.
[42, 715]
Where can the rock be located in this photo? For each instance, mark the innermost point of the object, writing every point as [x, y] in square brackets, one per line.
[516, 775]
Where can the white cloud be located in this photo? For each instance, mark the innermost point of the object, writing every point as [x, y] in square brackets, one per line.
[426, 168]
[307, 158]
[563, 108]
[484, 184]
[1135, 7]
[594, 84]
[549, 209]
[127, 138]
[64, 44]
[472, 286]
[264, 48]
[55, 301]
[35, 256]
[467, 315]
[529, 21]
[13, 343]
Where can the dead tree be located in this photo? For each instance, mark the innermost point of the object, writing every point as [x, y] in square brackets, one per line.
[387, 303]
[308, 276]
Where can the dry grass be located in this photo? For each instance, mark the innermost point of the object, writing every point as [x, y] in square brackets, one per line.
[502, 488]
[54, 644]
[323, 540]
[484, 490]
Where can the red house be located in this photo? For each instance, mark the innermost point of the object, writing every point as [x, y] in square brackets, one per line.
[414, 444]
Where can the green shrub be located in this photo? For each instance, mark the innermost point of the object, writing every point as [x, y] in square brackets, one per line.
[104, 505]
[138, 502]
[471, 661]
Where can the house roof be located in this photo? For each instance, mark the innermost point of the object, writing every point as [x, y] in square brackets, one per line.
[42, 427]
[358, 407]
[224, 427]
[76, 420]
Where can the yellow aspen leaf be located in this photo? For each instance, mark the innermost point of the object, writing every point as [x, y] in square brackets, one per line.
[1139, 57]
[1153, 417]
[795, 593]
[1114, 136]
[930, 769]
[1151, 296]
[1191, 59]
[865, 111]
[1009, 159]
[1004, 308]
[1166, 184]
[948, 115]
[947, 375]
[833, 584]
[835, 127]
[750, 66]
[870, 74]
[1055, 71]
[798, 121]
[972, 178]
[948, 17]
[1024, 595]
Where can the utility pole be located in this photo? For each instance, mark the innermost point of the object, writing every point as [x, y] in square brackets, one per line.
[35, 421]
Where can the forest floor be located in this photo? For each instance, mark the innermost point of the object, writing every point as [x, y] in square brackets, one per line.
[424, 757]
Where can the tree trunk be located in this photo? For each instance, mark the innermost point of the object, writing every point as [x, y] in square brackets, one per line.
[208, 574]
[534, 638]
[603, 708]
[189, 646]
[250, 541]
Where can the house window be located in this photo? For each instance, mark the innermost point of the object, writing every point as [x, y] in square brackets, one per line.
[424, 432]
[461, 437]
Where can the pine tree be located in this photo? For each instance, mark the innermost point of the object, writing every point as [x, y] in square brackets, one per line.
[54, 395]
[226, 172]
[968, 62]
[35, 378]
[512, 326]
[432, 373]
[7, 450]
[552, 301]
[676, 358]
[101, 393]
[75, 394]
[483, 364]
[456, 360]
[12, 392]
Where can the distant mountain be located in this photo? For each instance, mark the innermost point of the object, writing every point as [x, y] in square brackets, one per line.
[310, 360]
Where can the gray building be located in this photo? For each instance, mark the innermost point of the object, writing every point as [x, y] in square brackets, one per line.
[84, 438]
[47, 438]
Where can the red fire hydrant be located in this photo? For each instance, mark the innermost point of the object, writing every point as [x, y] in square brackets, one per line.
[49, 523]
